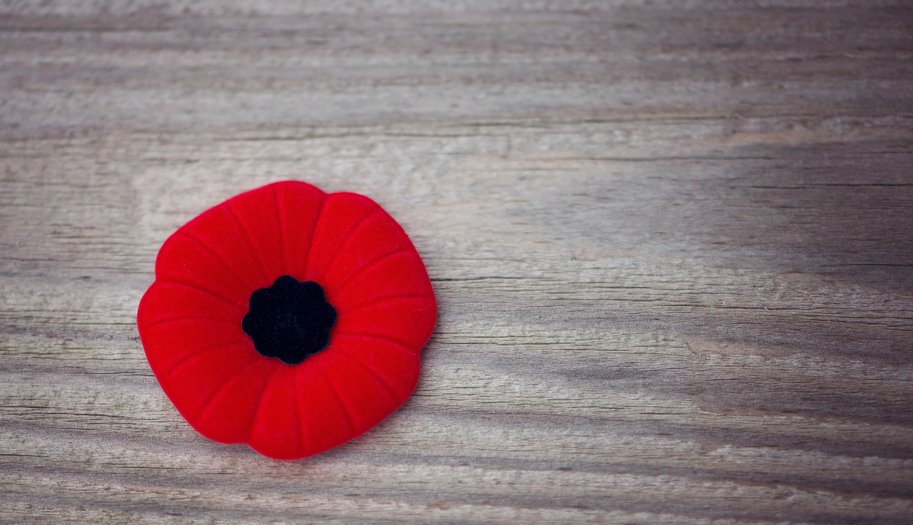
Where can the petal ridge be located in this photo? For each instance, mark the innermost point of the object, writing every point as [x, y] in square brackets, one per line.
[371, 372]
[257, 411]
[296, 413]
[167, 320]
[320, 214]
[397, 297]
[241, 370]
[343, 243]
[183, 360]
[280, 216]
[226, 300]
[346, 411]
[247, 237]
[390, 340]
[370, 265]
[218, 256]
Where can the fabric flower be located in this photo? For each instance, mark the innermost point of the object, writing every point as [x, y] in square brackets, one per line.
[287, 318]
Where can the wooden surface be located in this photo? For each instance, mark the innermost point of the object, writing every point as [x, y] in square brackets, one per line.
[672, 244]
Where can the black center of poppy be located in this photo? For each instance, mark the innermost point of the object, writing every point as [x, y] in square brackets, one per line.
[290, 320]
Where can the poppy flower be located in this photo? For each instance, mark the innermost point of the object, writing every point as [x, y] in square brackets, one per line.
[287, 318]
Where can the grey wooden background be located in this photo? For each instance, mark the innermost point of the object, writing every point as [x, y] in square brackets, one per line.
[672, 244]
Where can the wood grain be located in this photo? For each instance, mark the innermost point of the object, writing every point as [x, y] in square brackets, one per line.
[672, 244]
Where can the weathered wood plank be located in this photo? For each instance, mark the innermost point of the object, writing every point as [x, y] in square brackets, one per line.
[672, 246]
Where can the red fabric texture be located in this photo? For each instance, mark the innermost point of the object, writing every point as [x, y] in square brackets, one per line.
[190, 318]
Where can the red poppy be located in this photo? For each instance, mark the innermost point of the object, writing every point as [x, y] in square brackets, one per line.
[287, 318]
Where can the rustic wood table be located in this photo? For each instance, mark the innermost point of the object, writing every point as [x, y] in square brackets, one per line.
[672, 244]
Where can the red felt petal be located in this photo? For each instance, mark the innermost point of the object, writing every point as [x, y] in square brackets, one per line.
[300, 206]
[166, 301]
[374, 239]
[367, 400]
[342, 214]
[175, 339]
[386, 370]
[276, 431]
[276, 219]
[409, 324]
[325, 420]
[215, 253]
[186, 260]
[229, 414]
[401, 274]
[193, 382]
